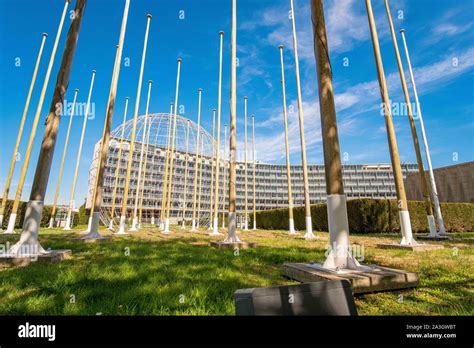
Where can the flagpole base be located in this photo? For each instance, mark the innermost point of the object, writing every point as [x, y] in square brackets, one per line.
[67, 225]
[134, 225]
[121, 231]
[405, 226]
[94, 230]
[309, 229]
[11, 224]
[215, 230]
[292, 227]
[167, 227]
[89, 223]
[28, 245]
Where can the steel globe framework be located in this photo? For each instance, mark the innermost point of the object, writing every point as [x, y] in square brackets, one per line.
[159, 123]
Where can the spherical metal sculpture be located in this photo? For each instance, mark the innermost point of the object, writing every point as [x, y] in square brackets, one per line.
[159, 133]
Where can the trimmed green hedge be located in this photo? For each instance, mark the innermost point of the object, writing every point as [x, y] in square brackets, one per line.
[372, 216]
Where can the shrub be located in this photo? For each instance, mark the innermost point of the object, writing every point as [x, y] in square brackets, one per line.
[372, 216]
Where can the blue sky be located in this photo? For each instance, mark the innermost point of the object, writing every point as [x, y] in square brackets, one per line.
[440, 35]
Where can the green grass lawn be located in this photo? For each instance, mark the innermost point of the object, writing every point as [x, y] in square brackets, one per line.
[152, 274]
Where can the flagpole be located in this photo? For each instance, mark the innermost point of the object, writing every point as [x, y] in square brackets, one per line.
[434, 190]
[224, 177]
[200, 182]
[117, 169]
[254, 198]
[134, 227]
[416, 143]
[63, 157]
[183, 226]
[196, 163]
[26, 159]
[147, 142]
[20, 132]
[134, 129]
[404, 215]
[165, 175]
[67, 226]
[309, 225]
[173, 137]
[211, 191]
[28, 243]
[287, 147]
[232, 229]
[246, 205]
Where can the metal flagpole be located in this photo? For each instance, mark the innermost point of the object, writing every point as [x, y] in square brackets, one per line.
[165, 175]
[67, 226]
[416, 143]
[134, 129]
[196, 162]
[63, 157]
[340, 256]
[224, 178]
[309, 225]
[246, 197]
[232, 229]
[434, 190]
[254, 198]
[215, 231]
[26, 159]
[28, 243]
[147, 141]
[173, 137]
[117, 169]
[134, 227]
[211, 191]
[287, 147]
[104, 146]
[200, 182]
[183, 226]
[20, 132]
[407, 235]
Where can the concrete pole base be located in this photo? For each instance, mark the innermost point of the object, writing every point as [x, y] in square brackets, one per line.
[94, 231]
[232, 233]
[167, 227]
[309, 229]
[292, 227]
[51, 222]
[215, 230]
[442, 229]
[134, 225]
[339, 255]
[89, 225]
[432, 226]
[111, 225]
[183, 225]
[246, 225]
[121, 231]
[11, 224]
[28, 245]
[67, 225]
[405, 226]
[254, 225]
[193, 226]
